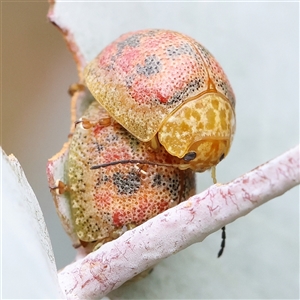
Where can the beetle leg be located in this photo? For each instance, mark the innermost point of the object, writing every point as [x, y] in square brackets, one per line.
[130, 226]
[100, 243]
[75, 87]
[214, 174]
[154, 143]
[141, 169]
[86, 124]
[105, 121]
[59, 188]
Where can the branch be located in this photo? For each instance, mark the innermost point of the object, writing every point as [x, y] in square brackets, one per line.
[191, 221]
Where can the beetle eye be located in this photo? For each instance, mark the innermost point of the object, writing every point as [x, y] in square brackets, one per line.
[189, 156]
[222, 157]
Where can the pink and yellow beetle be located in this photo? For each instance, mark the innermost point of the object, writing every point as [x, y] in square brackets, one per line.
[167, 89]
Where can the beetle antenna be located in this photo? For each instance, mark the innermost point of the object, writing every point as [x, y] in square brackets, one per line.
[223, 242]
[133, 161]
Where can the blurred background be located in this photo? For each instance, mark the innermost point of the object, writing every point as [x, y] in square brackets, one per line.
[257, 44]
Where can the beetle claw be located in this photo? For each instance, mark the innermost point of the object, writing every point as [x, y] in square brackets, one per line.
[59, 188]
[84, 123]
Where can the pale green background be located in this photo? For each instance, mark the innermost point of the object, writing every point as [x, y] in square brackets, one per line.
[258, 46]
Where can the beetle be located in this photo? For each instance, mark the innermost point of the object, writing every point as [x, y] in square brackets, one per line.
[165, 88]
[136, 184]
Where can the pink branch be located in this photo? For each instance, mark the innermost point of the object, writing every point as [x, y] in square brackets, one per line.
[192, 221]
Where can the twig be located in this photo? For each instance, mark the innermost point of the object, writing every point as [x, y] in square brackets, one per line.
[192, 221]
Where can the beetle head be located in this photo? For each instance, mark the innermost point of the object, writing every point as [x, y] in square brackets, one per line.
[200, 131]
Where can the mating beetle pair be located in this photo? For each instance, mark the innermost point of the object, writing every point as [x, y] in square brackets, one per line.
[166, 110]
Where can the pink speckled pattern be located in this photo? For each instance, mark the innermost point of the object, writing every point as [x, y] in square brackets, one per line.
[142, 77]
[107, 201]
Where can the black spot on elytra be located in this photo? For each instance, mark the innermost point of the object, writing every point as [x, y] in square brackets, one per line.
[102, 179]
[151, 66]
[157, 180]
[172, 51]
[152, 32]
[129, 80]
[111, 138]
[98, 146]
[190, 88]
[127, 184]
[132, 41]
[171, 184]
[184, 48]
[174, 188]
